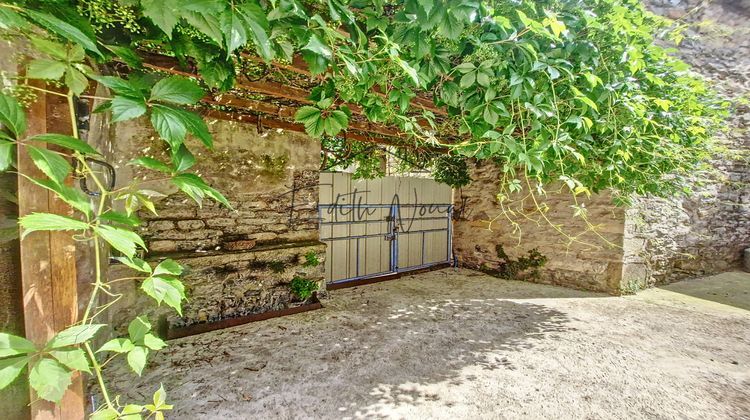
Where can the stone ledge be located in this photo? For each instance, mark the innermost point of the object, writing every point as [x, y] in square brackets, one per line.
[156, 256]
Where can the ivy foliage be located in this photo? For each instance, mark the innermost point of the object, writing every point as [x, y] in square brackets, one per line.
[577, 91]
[303, 288]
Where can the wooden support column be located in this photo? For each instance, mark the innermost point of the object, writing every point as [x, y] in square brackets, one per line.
[48, 268]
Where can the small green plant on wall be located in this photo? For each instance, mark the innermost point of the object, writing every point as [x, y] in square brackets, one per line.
[510, 268]
[303, 288]
[311, 259]
[277, 266]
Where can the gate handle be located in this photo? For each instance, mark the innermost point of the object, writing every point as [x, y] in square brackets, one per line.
[111, 177]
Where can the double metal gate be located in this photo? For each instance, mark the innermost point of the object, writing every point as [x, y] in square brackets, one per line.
[383, 226]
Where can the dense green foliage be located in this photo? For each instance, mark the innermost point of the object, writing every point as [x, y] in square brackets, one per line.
[577, 91]
[303, 288]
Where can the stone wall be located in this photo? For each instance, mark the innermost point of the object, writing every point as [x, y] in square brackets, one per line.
[668, 240]
[239, 261]
[589, 263]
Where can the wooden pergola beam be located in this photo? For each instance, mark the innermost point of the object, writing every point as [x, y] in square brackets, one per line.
[171, 65]
[275, 123]
[299, 66]
[288, 112]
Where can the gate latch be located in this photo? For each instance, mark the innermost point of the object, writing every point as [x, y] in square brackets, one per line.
[391, 236]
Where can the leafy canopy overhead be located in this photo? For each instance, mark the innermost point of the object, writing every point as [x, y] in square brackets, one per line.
[577, 91]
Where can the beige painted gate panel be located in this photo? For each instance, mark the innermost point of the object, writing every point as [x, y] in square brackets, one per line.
[381, 226]
[424, 228]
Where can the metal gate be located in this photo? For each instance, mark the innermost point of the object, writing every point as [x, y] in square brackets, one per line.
[383, 226]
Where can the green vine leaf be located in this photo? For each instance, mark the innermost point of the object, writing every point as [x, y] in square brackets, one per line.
[73, 359]
[45, 221]
[74, 197]
[247, 21]
[160, 404]
[196, 188]
[170, 123]
[10, 368]
[135, 263]
[153, 342]
[182, 159]
[64, 29]
[137, 359]
[12, 345]
[121, 86]
[75, 80]
[167, 289]
[163, 13]
[67, 142]
[50, 379]
[138, 328]
[126, 108]
[42, 68]
[105, 413]
[315, 45]
[120, 218]
[7, 154]
[151, 163]
[168, 266]
[127, 55]
[52, 164]
[177, 90]
[12, 116]
[11, 20]
[122, 240]
[117, 345]
[76, 334]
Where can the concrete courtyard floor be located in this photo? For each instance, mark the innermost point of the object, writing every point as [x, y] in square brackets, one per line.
[459, 344]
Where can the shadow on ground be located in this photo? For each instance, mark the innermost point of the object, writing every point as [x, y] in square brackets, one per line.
[365, 353]
[451, 344]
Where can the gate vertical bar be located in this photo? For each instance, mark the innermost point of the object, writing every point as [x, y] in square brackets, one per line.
[449, 251]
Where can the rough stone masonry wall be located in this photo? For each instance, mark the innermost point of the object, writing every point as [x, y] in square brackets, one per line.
[238, 261]
[591, 266]
[668, 240]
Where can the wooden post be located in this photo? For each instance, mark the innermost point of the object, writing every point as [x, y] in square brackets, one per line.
[48, 268]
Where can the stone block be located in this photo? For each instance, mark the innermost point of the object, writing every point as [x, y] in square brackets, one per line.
[162, 246]
[277, 227]
[173, 213]
[190, 235]
[299, 235]
[160, 225]
[239, 245]
[263, 236]
[220, 222]
[190, 224]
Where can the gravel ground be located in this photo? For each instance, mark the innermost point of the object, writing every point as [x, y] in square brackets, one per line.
[459, 344]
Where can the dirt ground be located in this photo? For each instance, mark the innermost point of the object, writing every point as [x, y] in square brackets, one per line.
[459, 344]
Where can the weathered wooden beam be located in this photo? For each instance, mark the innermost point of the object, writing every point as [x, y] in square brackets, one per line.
[299, 66]
[283, 111]
[171, 65]
[48, 271]
[274, 123]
